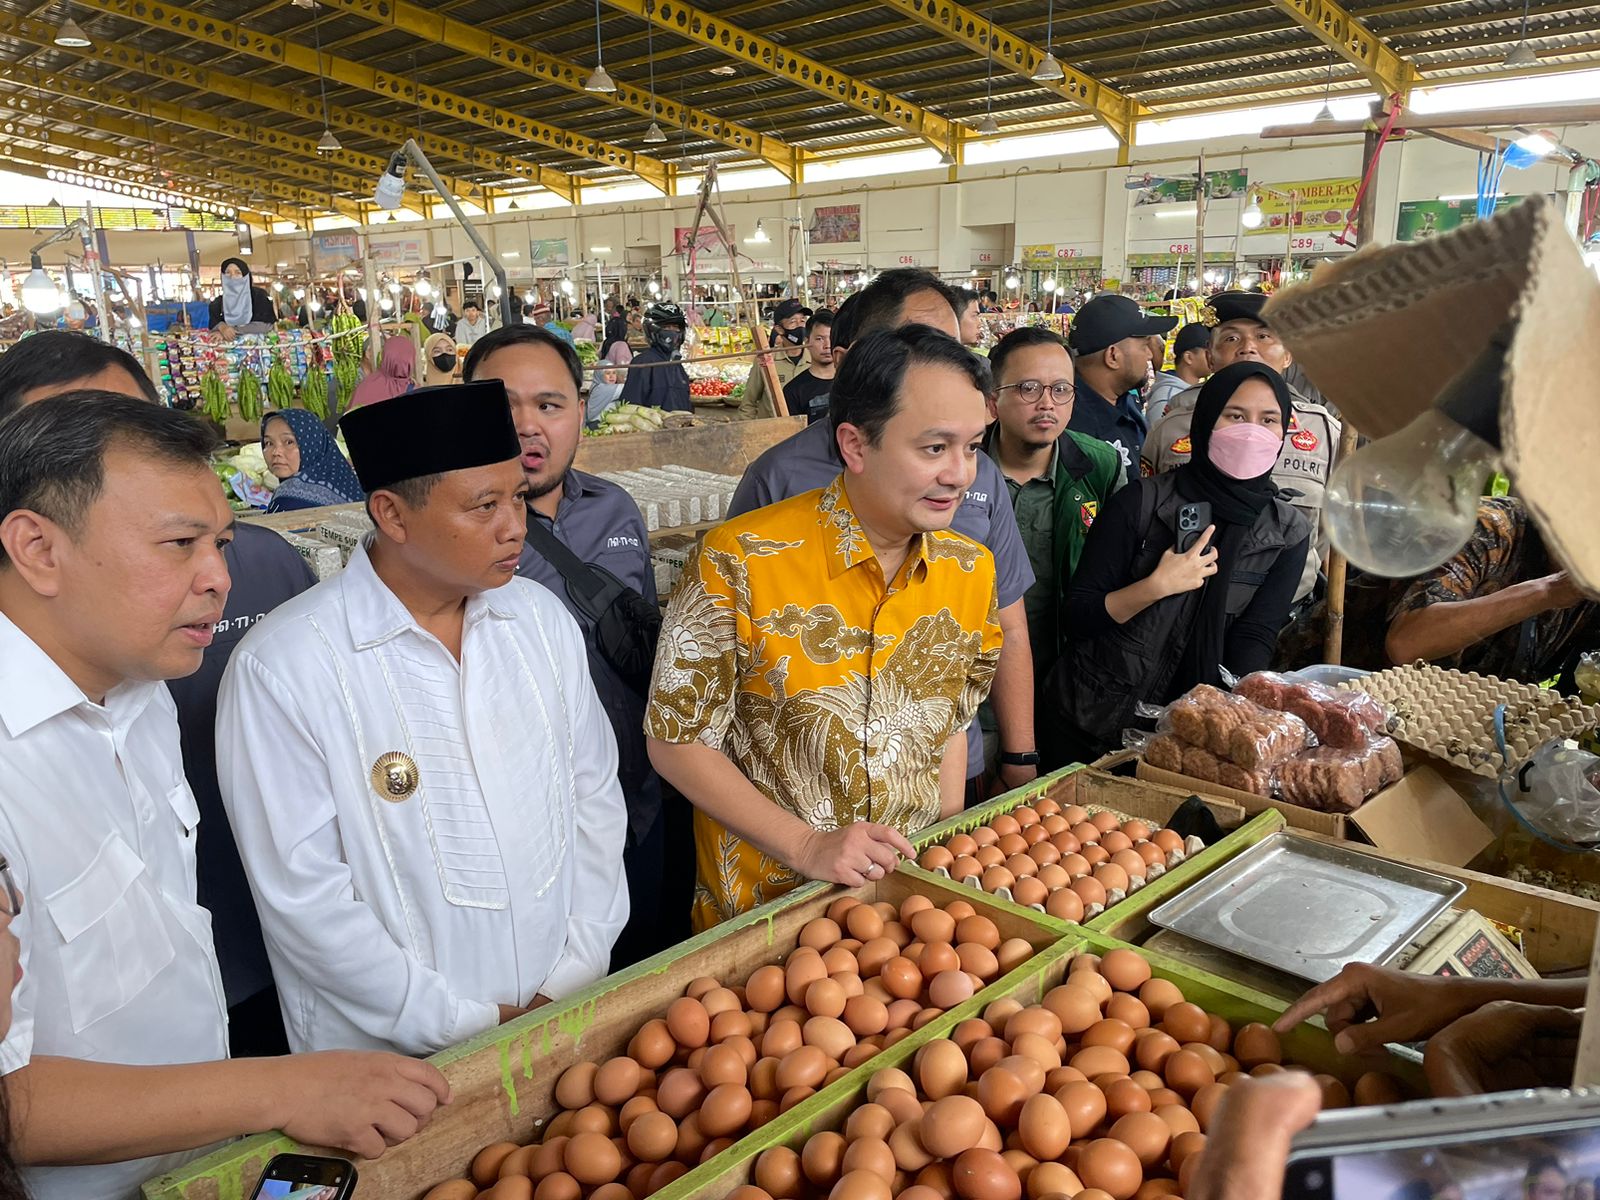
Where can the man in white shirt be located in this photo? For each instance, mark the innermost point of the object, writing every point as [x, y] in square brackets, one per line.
[112, 577]
[472, 325]
[421, 778]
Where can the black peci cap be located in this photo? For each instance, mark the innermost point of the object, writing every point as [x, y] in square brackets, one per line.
[430, 431]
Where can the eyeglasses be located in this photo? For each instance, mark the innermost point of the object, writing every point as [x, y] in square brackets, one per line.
[1031, 390]
[10, 898]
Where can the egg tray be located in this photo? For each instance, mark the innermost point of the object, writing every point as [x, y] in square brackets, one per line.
[504, 1080]
[1450, 714]
[1307, 1045]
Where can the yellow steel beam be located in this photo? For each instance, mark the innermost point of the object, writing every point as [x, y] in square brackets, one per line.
[710, 30]
[40, 163]
[238, 39]
[126, 58]
[524, 59]
[316, 170]
[1116, 111]
[1353, 41]
[233, 183]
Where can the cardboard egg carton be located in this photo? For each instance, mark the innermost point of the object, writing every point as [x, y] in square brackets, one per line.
[1450, 715]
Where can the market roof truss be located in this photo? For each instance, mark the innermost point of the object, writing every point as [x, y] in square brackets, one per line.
[709, 30]
[241, 39]
[1116, 111]
[127, 58]
[1353, 41]
[534, 63]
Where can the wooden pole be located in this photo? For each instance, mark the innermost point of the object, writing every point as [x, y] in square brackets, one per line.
[1199, 229]
[1333, 646]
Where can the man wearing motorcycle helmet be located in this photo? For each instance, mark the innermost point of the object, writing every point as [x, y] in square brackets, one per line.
[649, 382]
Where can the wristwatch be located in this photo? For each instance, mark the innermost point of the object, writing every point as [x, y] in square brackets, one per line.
[1028, 758]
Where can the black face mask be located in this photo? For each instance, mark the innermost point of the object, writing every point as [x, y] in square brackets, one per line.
[667, 340]
[444, 362]
[794, 337]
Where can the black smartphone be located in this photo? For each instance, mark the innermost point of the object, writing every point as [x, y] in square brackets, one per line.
[1191, 523]
[1532, 1143]
[306, 1177]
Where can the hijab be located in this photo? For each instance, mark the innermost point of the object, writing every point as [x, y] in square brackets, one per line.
[238, 307]
[442, 346]
[393, 376]
[324, 476]
[1235, 506]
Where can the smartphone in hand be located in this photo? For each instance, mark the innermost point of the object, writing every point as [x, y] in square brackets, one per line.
[306, 1177]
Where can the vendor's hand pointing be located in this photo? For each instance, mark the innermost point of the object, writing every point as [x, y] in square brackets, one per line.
[1366, 1007]
[1247, 1146]
[357, 1101]
[857, 854]
[1504, 1046]
[1178, 573]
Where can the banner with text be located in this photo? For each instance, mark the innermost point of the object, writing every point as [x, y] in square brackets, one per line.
[835, 224]
[1421, 219]
[1041, 257]
[548, 252]
[1319, 206]
[1220, 185]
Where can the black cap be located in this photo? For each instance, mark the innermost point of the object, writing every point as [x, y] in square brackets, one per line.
[430, 431]
[1236, 306]
[1107, 320]
[789, 308]
[1196, 335]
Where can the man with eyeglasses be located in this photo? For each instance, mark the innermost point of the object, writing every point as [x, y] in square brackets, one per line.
[1057, 483]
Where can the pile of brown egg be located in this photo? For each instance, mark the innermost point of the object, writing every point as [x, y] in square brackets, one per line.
[1070, 863]
[1103, 1091]
[723, 1061]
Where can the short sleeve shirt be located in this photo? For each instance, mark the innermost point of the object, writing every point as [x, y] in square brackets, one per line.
[833, 690]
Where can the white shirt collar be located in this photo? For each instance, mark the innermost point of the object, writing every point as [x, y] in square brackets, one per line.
[33, 689]
[375, 614]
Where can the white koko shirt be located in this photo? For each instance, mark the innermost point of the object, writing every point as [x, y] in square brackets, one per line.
[401, 924]
[99, 827]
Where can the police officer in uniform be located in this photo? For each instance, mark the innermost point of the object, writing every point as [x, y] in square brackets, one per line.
[1239, 334]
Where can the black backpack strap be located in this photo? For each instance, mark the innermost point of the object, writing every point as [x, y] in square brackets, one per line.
[1147, 510]
[584, 585]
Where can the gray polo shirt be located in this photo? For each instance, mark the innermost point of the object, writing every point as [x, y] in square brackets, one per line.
[810, 460]
[600, 523]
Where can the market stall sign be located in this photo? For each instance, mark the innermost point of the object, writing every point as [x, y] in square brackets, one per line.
[834, 224]
[55, 216]
[1177, 252]
[1220, 185]
[1043, 256]
[395, 252]
[1421, 219]
[1323, 206]
[548, 252]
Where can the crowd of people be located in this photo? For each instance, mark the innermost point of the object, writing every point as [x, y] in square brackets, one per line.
[266, 841]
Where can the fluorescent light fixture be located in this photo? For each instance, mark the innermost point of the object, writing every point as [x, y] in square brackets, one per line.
[510, 254]
[599, 249]
[1470, 196]
[1185, 211]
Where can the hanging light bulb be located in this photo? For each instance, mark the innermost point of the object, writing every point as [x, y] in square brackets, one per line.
[946, 159]
[760, 235]
[394, 287]
[299, 293]
[1013, 282]
[1325, 115]
[1522, 55]
[566, 287]
[988, 126]
[422, 287]
[315, 306]
[599, 80]
[1252, 217]
[327, 143]
[386, 304]
[71, 35]
[1050, 285]
[39, 291]
[1049, 70]
[654, 136]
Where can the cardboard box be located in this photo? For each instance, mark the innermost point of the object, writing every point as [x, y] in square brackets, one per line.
[1469, 945]
[1423, 815]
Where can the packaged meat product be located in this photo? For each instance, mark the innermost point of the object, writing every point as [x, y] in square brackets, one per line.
[1391, 765]
[1343, 719]
[1234, 728]
[1165, 752]
[1336, 779]
[1200, 763]
[1257, 782]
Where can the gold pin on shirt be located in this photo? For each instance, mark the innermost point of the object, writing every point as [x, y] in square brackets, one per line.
[395, 776]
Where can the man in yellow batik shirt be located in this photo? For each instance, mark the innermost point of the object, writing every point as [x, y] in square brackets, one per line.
[822, 657]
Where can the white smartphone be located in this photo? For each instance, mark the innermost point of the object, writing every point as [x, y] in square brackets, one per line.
[1531, 1145]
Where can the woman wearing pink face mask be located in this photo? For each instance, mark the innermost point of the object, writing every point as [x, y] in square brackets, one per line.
[1147, 623]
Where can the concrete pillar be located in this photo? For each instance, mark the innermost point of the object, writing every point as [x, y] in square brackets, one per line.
[1114, 229]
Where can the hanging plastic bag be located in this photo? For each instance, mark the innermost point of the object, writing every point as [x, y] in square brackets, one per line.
[1557, 792]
